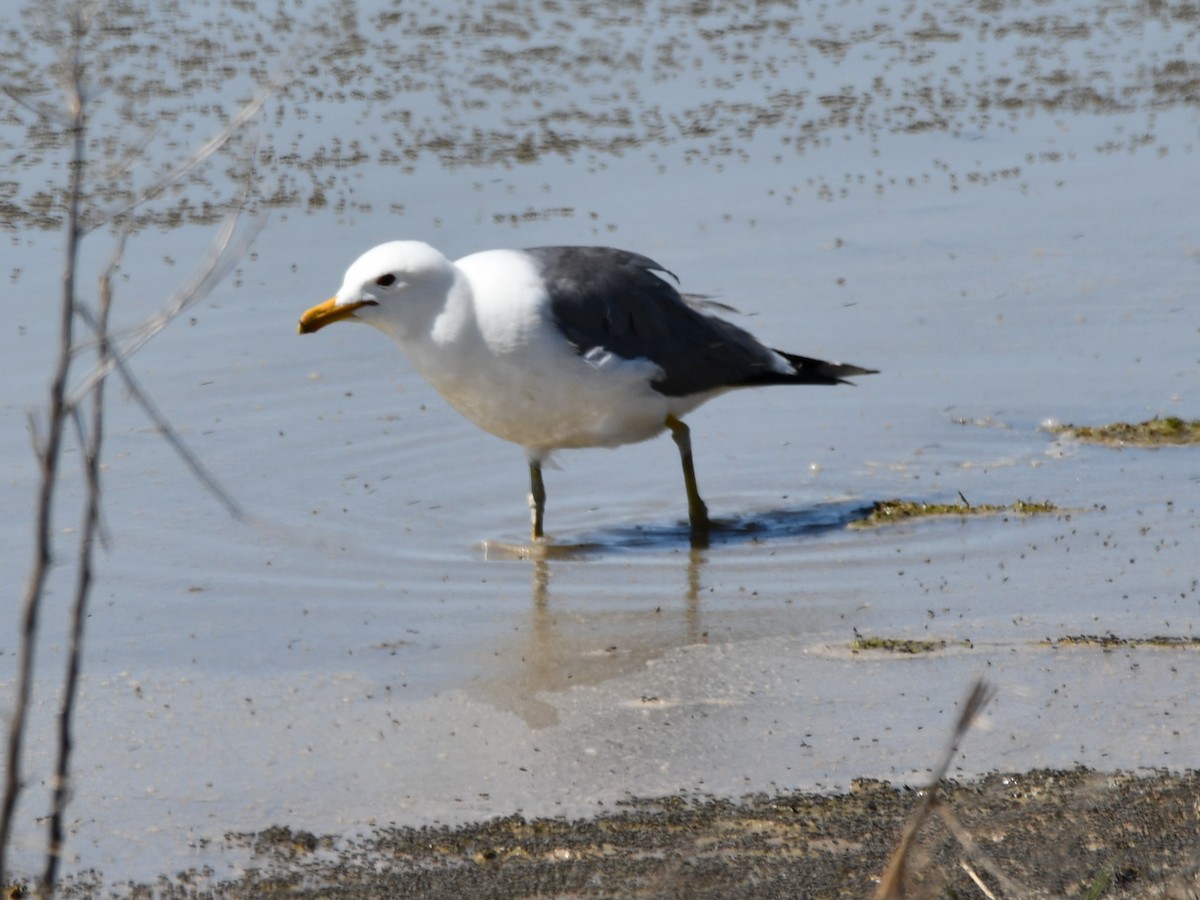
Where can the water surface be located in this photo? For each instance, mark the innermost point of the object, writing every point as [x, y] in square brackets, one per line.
[988, 203]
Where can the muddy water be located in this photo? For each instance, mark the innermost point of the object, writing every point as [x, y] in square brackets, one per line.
[993, 204]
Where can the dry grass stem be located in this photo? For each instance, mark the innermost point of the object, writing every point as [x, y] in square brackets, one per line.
[974, 876]
[892, 884]
[966, 840]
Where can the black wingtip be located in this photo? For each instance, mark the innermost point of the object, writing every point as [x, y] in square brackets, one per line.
[819, 371]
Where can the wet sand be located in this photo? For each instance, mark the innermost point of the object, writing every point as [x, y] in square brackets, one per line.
[1040, 833]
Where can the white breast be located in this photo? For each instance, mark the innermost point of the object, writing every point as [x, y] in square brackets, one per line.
[501, 362]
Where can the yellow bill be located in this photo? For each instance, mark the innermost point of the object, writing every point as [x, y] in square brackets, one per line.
[327, 313]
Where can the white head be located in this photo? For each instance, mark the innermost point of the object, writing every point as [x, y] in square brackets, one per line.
[387, 285]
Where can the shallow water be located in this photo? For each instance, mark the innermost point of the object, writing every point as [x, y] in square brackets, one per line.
[990, 205]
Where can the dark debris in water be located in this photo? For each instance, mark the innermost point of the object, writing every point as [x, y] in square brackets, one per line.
[495, 86]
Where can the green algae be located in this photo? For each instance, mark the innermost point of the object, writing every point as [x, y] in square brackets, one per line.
[1156, 432]
[1111, 641]
[902, 645]
[886, 512]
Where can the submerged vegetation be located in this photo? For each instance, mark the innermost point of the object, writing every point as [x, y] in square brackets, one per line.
[901, 645]
[1110, 641]
[884, 512]
[1156, 432]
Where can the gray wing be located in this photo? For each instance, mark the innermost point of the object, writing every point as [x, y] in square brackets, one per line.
[612, 299]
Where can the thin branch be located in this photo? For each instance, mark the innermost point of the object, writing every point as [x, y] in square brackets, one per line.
[65, 408]
[67, 30]
[243, 117]
[81, 439]
[91, 447]
[35, 437]
[222, 257]
[44, 111]
[164, 427]
[49, 453]
[136, 149]
[216, 265]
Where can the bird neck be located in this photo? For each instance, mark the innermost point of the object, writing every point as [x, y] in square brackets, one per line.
[438, 334]
[454, 321]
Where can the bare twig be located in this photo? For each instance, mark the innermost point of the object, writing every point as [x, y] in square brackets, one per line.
[65, 25]
[81, 440]
[133, 153]
[91, 446]
[48, 451]
[78, 19]
[234, 126]
[43, 111]
[163, 425]
[223, 254]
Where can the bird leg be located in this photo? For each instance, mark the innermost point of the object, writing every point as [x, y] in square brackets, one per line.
[537, 498]
[697, 511]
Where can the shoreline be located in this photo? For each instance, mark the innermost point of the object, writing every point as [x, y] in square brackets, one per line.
[1062, 832]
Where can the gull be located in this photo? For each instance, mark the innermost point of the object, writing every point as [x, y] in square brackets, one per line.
[556, 348]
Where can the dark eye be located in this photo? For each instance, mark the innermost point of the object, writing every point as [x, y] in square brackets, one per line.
[386, 280]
